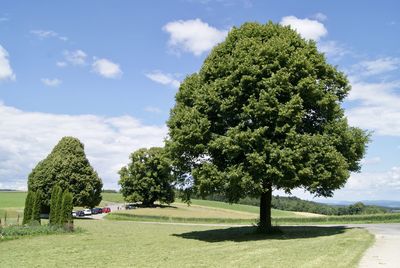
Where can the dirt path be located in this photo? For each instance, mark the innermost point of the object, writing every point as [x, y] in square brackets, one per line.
[386, 250]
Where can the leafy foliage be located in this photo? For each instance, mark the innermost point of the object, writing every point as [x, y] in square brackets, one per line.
[68, 167]
[66, 209]
[264, 113]
[36, 207]
[54, 204]
[147, 178]
[28, 207]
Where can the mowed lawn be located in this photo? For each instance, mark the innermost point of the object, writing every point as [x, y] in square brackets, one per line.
[131, 244]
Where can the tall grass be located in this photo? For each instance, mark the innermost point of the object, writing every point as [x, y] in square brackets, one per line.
[18, 231]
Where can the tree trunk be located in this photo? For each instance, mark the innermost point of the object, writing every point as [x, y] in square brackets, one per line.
[265, 224]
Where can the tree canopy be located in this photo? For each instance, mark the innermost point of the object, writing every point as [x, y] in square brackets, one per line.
[264, 113]
[147, 178]
[68, 167]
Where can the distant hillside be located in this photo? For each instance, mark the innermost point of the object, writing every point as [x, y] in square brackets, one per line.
[296, 204]
[8, 190]
[380, 203]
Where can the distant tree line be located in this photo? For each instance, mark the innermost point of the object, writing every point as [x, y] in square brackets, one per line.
[297, 204]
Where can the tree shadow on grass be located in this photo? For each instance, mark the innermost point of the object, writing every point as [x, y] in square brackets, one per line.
[248, 233]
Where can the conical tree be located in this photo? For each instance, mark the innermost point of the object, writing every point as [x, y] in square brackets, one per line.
[54, 204]
[68, 167]
[58, 206]
[36, 208]
[28, 207]
[66, 209]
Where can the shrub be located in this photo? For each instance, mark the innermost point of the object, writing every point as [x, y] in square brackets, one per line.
[28, 208]
[54, 205]
[66, 210]
[37, 204]
[58, 207]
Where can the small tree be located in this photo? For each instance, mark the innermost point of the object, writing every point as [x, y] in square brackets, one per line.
[54, 204]
[147, 178]
[58, 207]
[28, 208]
[66, 210]
[37, 203]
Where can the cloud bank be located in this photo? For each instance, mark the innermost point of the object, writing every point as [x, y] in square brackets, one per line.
[28, 137]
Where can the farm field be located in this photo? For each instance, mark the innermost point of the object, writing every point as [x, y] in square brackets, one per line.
[12, 205]
[128, 244]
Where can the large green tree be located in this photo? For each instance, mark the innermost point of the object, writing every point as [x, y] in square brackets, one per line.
[147, 178]
[264, 113]
[68, 167]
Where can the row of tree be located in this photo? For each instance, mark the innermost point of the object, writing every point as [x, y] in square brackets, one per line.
[32, 208]
[60, 209]
[61, 206]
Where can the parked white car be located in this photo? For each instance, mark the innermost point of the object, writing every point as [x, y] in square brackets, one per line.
[73, 213]
[87, 212]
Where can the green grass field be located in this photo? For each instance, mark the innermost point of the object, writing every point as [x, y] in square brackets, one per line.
[12, 199]
[131, 244]
[239, 207]
[12, 205]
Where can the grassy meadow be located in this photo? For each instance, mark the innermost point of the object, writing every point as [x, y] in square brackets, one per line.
[132, 244]
[12, 206]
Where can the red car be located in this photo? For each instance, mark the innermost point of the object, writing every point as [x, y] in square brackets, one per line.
[106, 210]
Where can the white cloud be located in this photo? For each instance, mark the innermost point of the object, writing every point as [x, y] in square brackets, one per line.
[378, 66]
[152, 109]
[193, 36]
[333, 49]
[42, 34]
[28, 137]
[51, 82]
[61, 63]
[375, 181]
[106, 68]
[383, 185]
[371, 161]
[77, 57]
[320, 16]
[163, 78]
[377, 106]
[6, 72]
[308, 29]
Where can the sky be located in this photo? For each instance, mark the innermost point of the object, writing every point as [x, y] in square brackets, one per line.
[107, 72]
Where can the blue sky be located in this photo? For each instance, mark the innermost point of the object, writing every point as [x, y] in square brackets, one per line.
[107, 73]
